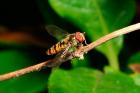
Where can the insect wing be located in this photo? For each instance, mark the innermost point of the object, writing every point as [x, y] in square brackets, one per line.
[56, 32]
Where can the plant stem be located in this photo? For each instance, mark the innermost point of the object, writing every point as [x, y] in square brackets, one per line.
[113, 59]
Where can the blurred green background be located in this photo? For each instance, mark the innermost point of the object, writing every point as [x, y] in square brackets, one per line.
[24, 41]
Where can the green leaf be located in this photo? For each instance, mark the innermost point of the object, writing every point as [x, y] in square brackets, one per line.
[98, 18]
[11, 60]
[83, 80]
[136, 78]
[117, 83]
[134, 58]
[79, 80]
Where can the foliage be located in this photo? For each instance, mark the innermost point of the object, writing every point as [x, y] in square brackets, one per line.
[90, 81]
[95, 17]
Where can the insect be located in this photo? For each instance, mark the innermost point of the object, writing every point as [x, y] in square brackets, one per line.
[68, 42]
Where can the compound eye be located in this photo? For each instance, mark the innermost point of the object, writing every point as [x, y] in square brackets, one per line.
[79, 36]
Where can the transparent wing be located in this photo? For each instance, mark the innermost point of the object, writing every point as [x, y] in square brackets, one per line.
[56, 32]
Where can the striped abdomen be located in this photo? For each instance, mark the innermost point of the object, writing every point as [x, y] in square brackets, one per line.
[57, 48]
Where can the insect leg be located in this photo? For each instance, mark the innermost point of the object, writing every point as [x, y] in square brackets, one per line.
[66, 50]
[85, 42]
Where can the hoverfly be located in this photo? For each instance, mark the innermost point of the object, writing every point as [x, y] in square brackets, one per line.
[68, 42]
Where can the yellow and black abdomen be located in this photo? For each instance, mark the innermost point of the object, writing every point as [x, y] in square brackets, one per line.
[56, 48]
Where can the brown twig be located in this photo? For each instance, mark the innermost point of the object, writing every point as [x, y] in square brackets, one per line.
[24, 71]
[78, 53]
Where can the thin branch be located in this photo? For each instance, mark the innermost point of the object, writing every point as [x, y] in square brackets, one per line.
[112, 35]
[78, 53]
[23, 71]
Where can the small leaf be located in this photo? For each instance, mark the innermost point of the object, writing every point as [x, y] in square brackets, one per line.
[134, 63]
[83, 80]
